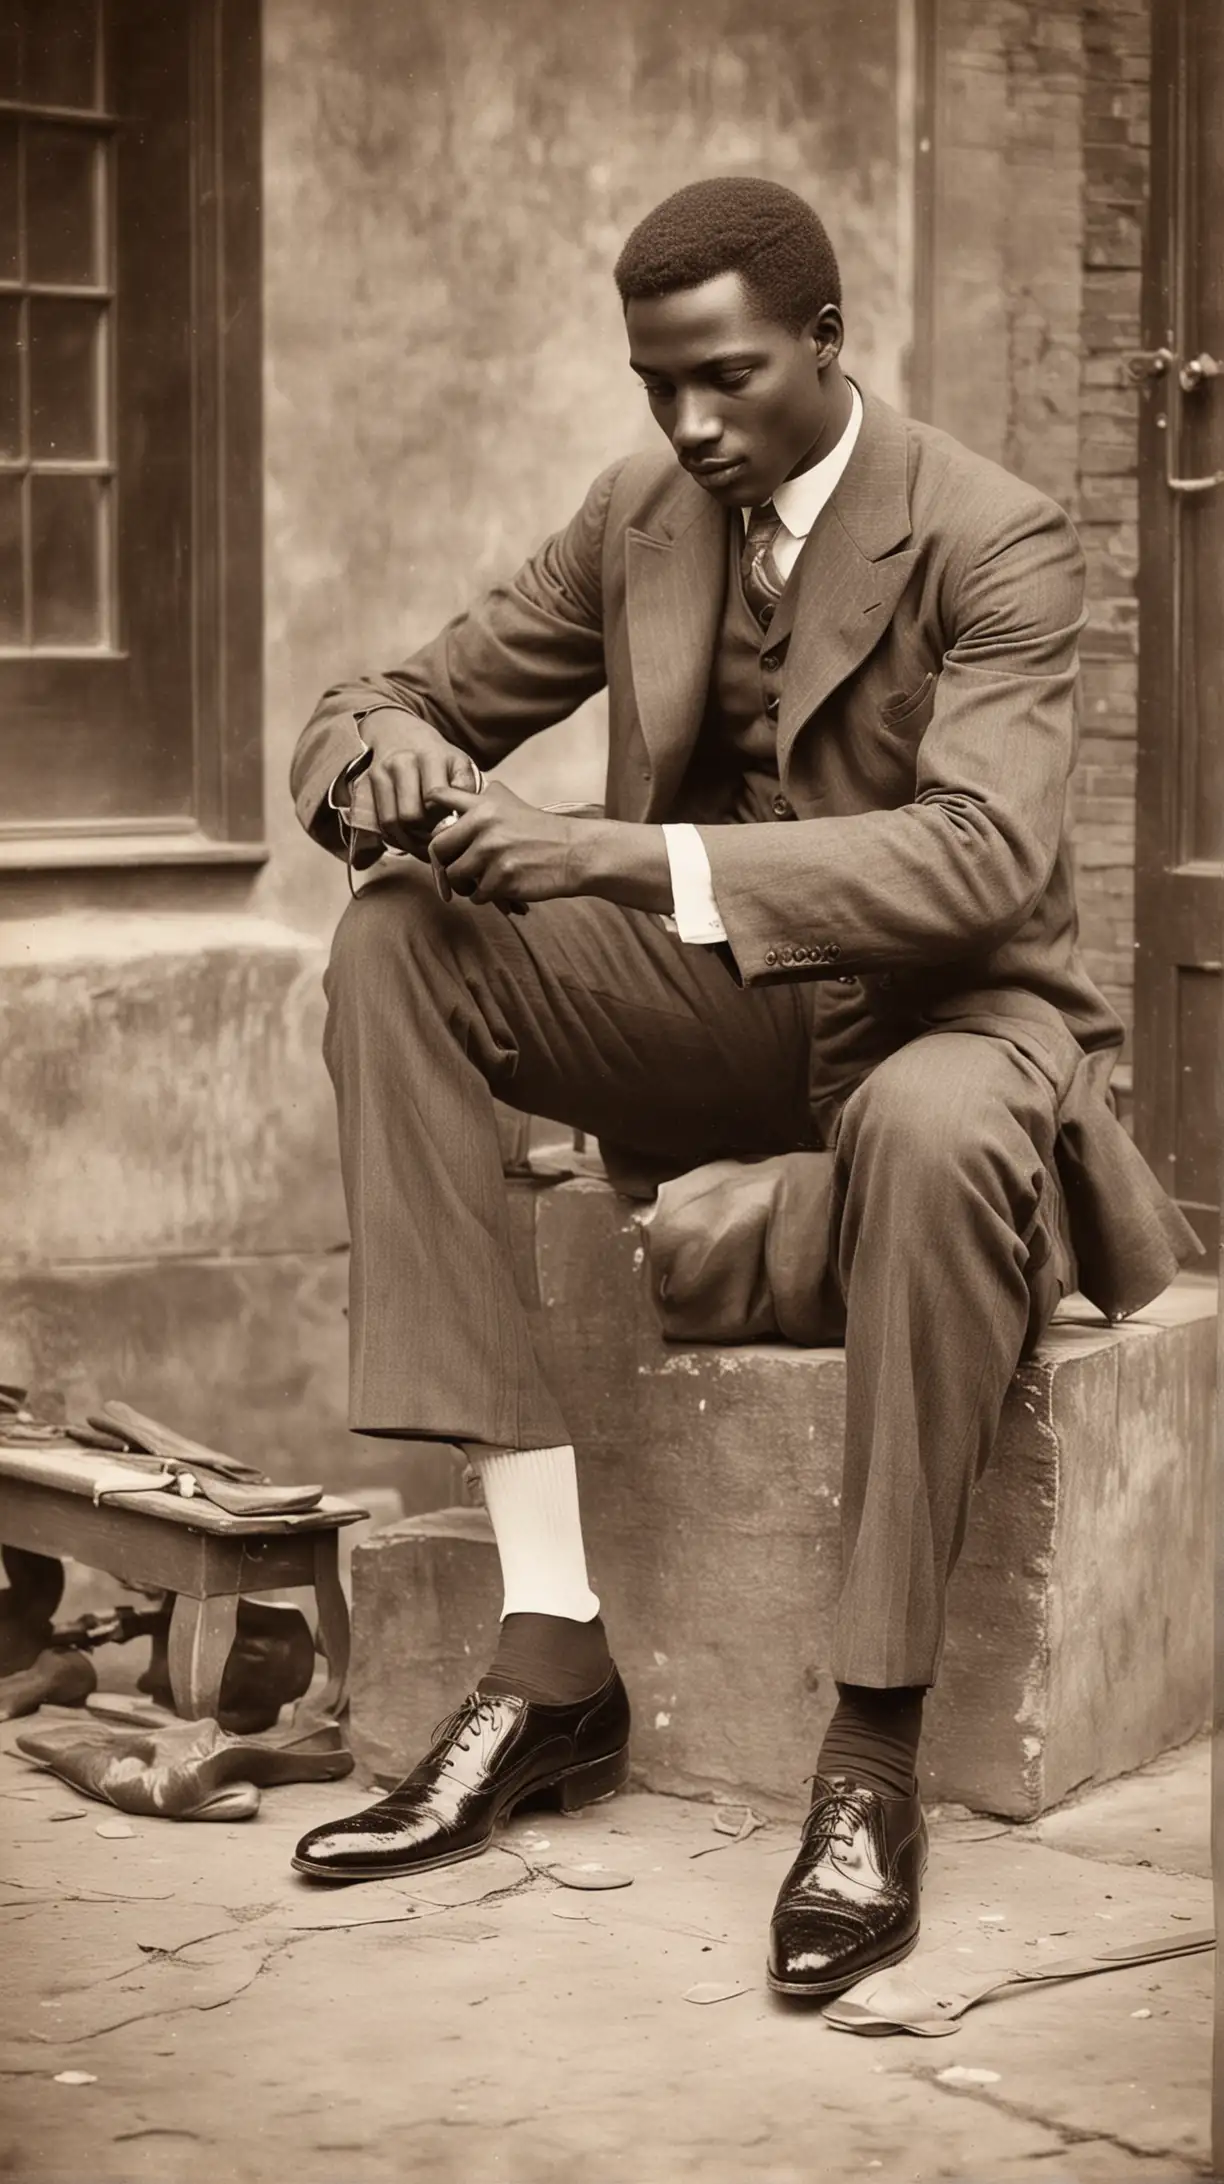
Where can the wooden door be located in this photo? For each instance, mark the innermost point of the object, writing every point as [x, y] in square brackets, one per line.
[1180, 817]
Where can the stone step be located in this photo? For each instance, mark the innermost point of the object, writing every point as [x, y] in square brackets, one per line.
[426, 1599]
[1080, 1613]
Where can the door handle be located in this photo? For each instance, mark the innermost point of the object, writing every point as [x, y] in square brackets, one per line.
[1148, 364]
[1199, 368]
[1153, 364]
[1191, 376]
[1195, 485]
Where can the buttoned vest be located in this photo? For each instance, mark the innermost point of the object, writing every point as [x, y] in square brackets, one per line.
[733, 773]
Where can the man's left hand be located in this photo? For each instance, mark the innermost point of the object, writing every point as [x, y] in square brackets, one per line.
[501, 849]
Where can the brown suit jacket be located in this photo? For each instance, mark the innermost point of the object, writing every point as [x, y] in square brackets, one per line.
[925, 738]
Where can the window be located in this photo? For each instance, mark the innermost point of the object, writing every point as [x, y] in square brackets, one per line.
[129, 380]
[56, 327]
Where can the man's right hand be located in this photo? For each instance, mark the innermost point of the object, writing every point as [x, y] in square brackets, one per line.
[400, 795]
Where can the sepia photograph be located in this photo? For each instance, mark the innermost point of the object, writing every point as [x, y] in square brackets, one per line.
[611, 1138]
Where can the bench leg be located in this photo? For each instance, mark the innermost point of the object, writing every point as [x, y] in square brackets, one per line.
[201, 1634]
[333, 1623]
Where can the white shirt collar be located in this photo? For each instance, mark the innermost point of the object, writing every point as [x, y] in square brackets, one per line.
[800, 500]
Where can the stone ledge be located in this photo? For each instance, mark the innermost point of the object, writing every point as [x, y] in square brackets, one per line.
[1080, 1615]
[426, 1601]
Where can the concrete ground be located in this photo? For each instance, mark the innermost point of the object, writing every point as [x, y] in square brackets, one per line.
[490, 2026]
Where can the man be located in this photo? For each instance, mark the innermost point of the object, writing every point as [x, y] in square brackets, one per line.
[830, 906]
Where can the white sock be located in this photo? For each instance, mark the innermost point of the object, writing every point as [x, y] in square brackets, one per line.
[531, 1495]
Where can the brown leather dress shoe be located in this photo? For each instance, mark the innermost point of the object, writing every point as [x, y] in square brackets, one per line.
[849, 1904]
[491, 1755]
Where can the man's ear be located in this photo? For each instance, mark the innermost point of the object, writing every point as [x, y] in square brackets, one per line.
[827, 333]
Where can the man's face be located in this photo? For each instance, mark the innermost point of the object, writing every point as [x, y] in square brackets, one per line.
[744, 402]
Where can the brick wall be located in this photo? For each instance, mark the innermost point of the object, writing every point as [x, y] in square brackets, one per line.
[1041, 170]
[1115, 173]
[1008, 243]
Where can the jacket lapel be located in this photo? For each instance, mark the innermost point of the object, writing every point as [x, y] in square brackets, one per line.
[676, 577]
[850, 574]
[850, 578]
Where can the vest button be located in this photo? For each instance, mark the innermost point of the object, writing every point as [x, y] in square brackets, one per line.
[770, 662]
[782, 809]
[765, 615]
[771, 706]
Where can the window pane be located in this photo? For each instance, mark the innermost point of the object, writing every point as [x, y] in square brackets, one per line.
[64, 542]
[11, 619]
[61, 208]
[10, 376]
[61, 54]
[63, 380]
[10, 250]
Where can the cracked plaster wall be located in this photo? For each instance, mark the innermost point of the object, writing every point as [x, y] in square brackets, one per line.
[446, 192]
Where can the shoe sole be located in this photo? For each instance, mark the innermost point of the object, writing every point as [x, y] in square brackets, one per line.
[590, 1784]
[824, 1990]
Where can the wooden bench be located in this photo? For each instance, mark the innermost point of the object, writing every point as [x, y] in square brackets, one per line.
[206, 1558]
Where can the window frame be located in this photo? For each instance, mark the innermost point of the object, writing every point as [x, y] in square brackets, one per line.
[225, 122]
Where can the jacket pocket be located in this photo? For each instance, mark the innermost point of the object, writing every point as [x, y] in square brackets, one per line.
[901, 710]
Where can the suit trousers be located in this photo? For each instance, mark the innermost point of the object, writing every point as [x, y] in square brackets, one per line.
[943, 1229]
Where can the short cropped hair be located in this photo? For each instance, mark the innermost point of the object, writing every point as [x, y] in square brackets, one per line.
[734, 224]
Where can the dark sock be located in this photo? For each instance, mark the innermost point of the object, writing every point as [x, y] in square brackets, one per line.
[549, 1658]
[873, 1738]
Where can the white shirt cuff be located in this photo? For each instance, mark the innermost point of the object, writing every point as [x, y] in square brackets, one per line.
[344, 781]
[696, 912]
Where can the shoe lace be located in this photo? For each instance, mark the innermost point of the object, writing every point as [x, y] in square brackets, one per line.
[835, 1817]
[475, 1712]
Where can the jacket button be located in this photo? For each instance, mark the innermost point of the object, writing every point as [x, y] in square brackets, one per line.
[783, 808]
[771, 956]
[846, 978]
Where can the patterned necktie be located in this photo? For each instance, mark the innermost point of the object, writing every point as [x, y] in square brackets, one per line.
[763, 580]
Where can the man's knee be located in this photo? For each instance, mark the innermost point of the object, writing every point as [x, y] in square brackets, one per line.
[398, 917]
[939, 1114]
[903, 1106]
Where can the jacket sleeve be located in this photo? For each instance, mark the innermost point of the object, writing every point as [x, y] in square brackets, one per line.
[957, 871]
[525, 656]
